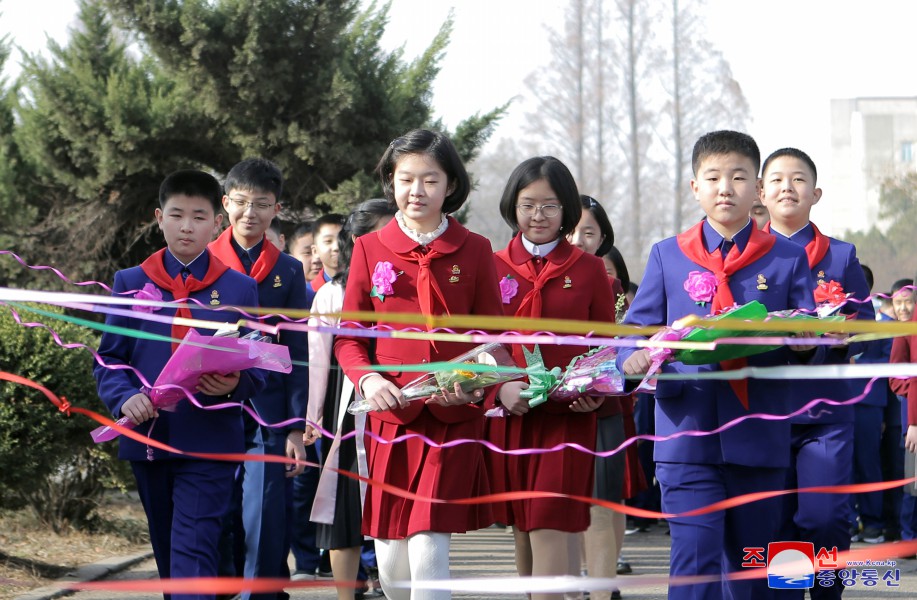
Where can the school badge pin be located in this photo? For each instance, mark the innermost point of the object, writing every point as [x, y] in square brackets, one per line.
[762, 282]
[214, 298]
[456, 271]
[277, 282]
[568, 283]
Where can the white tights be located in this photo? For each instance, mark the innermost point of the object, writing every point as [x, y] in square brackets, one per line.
[422, 556]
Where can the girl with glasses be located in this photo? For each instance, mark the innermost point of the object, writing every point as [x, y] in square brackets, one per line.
[543, 275]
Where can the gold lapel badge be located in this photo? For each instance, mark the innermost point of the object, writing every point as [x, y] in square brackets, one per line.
[762, 282]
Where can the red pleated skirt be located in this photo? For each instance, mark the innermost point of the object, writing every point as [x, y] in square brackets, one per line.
[568, 471]
[452, 473]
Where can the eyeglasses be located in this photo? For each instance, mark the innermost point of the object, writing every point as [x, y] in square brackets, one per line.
[548, 211]
[243, 204]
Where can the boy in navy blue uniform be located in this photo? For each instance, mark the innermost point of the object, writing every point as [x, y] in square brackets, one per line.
[822, 439]
[252, 199]
[185, 499]
[752, 456]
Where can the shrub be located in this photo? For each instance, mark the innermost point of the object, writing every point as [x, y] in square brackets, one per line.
[48, 462]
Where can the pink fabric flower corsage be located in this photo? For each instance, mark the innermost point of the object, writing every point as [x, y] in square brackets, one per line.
[149, 292]
[701, 286]
[383, 277]
[508, 288]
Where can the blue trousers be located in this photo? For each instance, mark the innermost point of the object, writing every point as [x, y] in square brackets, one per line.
[264, 509]
[713, 544]
[302, 543]
[867, 466]
[185, 502]
[821, 455]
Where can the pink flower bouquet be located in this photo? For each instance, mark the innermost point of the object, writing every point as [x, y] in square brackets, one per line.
[201, 354]
[480, 367]
[590, 374]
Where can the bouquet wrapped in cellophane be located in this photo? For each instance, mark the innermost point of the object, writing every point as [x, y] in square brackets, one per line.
[818, 323]
[197, 355]
[482, 366]
[591, 374]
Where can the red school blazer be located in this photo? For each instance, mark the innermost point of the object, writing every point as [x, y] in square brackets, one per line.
[465, 274]
[581, 293]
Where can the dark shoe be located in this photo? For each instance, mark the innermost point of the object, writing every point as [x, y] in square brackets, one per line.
[615, 594]
[855, 535]
[624, 567]
[872, 535]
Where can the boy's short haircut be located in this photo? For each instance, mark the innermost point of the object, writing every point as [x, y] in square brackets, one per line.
[437, 146]
[721, 142]
[255, 174]
[901, 283]
[194, 184]
[558, 177]
[302, 229]
[329, 219]
[276, 226]
[794, 153]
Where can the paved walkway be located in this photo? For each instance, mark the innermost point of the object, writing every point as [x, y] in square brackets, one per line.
[489, 554]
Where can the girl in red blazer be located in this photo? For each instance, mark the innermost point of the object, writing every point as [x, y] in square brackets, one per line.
[543, 275]
[424, 262]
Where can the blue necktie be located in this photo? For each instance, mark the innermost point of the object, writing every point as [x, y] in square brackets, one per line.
[246, 261]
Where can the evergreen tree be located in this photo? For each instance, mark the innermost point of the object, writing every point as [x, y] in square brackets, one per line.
[144, 88]
[101, 129]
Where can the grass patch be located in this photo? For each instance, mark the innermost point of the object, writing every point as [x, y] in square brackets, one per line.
[33, 555]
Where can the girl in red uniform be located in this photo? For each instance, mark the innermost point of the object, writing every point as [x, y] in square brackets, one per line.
[424, 262]
[543, 275]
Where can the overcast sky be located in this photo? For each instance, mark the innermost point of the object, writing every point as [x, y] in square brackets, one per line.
[791, 57]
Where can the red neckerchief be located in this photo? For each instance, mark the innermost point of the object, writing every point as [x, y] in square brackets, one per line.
[691, 243]
[815, 249]
[428, 288]
[155, 269]
[319, 280]
[222, 248]
[531, 305]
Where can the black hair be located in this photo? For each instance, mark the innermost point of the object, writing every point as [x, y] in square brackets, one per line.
[721, 142]
[558, 177]
[329, 219]
[302, 229]
[794, 153]
[632, 288]
[255, 174]
[601, 217]
[438, 147]
[901, 283]
[276, 226]
[191, 183]
[867, 273]
[364, 218]
[614, 255]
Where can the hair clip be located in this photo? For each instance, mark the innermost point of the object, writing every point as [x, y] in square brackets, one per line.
[397, 140]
